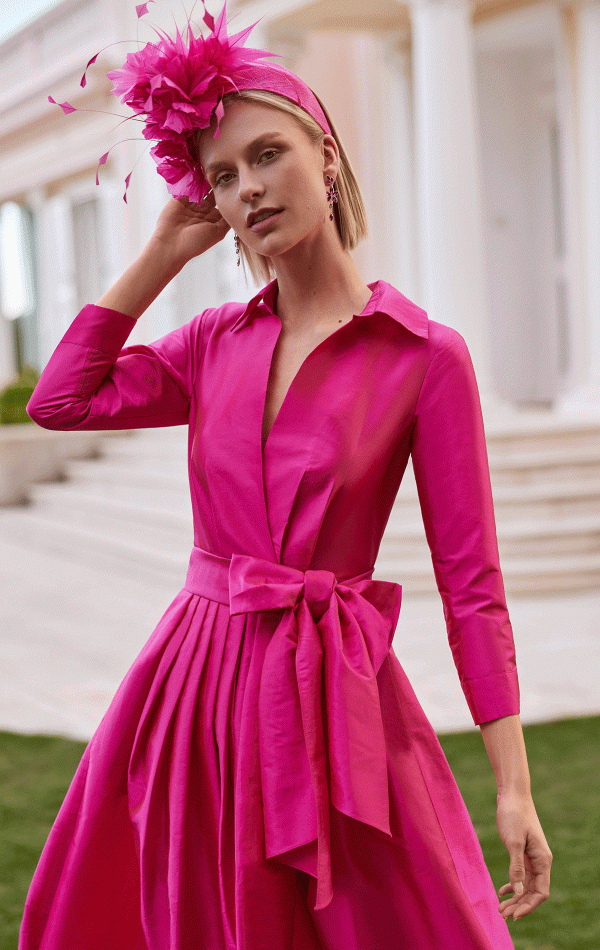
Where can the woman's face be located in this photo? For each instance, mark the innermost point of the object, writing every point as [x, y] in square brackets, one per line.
[263, 158]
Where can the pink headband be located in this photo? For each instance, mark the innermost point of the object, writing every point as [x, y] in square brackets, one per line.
[176, 86]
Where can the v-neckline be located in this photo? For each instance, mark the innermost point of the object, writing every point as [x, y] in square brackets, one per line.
[296, 374]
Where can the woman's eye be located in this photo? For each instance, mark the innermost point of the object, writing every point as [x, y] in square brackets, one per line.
[269, 152]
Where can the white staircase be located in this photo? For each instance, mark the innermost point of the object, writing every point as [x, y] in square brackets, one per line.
[127, 512]
[546, 487]
[130, 511]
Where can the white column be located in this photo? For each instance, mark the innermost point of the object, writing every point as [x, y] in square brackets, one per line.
[399, 212]
[448, 178]
[586, 331]
[7, 357]
[57, 289]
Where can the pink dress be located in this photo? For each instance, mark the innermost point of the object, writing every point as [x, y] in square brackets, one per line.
[265, 778]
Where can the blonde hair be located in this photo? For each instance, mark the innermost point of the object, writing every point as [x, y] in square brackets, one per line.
[349, 210]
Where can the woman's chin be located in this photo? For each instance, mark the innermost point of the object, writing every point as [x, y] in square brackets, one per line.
[272, 247]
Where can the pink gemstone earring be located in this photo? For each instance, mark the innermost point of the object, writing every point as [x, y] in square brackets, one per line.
[332, 195]
[236, 241]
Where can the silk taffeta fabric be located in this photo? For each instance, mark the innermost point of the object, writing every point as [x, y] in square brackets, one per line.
[265, 778]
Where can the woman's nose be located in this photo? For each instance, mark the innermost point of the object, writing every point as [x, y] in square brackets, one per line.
[250, 185]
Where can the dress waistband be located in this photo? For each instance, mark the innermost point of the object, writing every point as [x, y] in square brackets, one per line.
[208, 575]
[228, 579]
[319, 725]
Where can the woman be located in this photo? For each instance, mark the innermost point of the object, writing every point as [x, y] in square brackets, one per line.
[265, 776]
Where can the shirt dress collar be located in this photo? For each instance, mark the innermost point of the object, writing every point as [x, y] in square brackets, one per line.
[384, 299]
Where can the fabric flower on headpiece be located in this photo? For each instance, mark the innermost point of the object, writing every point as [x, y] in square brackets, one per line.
[176, 85]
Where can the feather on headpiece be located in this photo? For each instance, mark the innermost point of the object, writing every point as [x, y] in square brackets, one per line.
[176, 85]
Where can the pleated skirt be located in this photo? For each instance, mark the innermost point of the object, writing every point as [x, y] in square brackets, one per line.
[159, 842]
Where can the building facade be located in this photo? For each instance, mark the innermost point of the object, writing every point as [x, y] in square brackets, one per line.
[474, 130]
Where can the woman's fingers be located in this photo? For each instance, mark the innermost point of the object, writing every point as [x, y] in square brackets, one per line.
[529, 855]
[536, 886]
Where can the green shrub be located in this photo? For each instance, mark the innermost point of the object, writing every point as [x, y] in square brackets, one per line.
[15, 396]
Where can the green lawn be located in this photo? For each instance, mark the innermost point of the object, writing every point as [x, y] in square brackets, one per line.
[564, 757]
[564, 761]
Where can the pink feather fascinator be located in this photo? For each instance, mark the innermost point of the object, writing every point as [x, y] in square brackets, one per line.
[175, 85]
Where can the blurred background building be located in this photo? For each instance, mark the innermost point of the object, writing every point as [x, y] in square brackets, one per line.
[474, 129]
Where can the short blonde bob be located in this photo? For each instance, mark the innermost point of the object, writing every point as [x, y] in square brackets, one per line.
[349, 210]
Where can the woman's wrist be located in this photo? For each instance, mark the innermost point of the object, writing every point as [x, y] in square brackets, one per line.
[505, 746]
[163, 256]
[519, 788]
[143, 280]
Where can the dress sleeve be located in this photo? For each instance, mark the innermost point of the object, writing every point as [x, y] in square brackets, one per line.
[452, 474]
[92, 382]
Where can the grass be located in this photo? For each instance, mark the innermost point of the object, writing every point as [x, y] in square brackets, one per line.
[35, 772]
[564, 761]
[564, 758]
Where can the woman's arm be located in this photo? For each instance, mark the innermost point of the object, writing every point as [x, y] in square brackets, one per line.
[518, 823]
[183, 231]
[452, 474]
[92, 381]
[451, 469]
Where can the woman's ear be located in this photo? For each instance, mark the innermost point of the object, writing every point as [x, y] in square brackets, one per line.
[331, 156]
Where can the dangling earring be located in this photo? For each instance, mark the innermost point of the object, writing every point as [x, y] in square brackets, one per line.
[332, 195]
[236, 241]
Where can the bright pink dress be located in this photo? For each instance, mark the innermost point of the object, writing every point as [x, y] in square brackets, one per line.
[265, 778]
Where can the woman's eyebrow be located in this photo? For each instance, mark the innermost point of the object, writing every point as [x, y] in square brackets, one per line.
[251, 147]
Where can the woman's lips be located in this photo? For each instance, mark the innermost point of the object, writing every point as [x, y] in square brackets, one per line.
[264, 225]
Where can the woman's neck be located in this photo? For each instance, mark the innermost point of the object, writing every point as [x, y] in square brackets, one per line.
[317, 285]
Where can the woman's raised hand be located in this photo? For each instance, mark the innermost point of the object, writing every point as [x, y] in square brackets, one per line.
[186, 230]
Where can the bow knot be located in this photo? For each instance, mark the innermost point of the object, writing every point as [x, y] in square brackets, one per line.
[318, 588]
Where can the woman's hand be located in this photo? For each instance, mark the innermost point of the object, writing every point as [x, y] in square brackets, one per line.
[530, 856]
[186, 230]
[183, 231]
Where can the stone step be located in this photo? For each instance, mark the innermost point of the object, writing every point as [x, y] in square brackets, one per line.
[170, 477]
[130, 511]
[153, 498]
[515, 538]
[170, 441]
[38, 530]
[514, 486]
[156, 528]
[573, 498]
[157, 444]
[518, 468]
[167, 525]
[31, 530]
[530, 432]
[128, 507]
[525, 576]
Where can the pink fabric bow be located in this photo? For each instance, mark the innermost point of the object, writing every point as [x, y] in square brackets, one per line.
[320, 741]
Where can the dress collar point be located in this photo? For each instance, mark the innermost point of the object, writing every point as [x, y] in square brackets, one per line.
[387, 299]
[263, 297]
